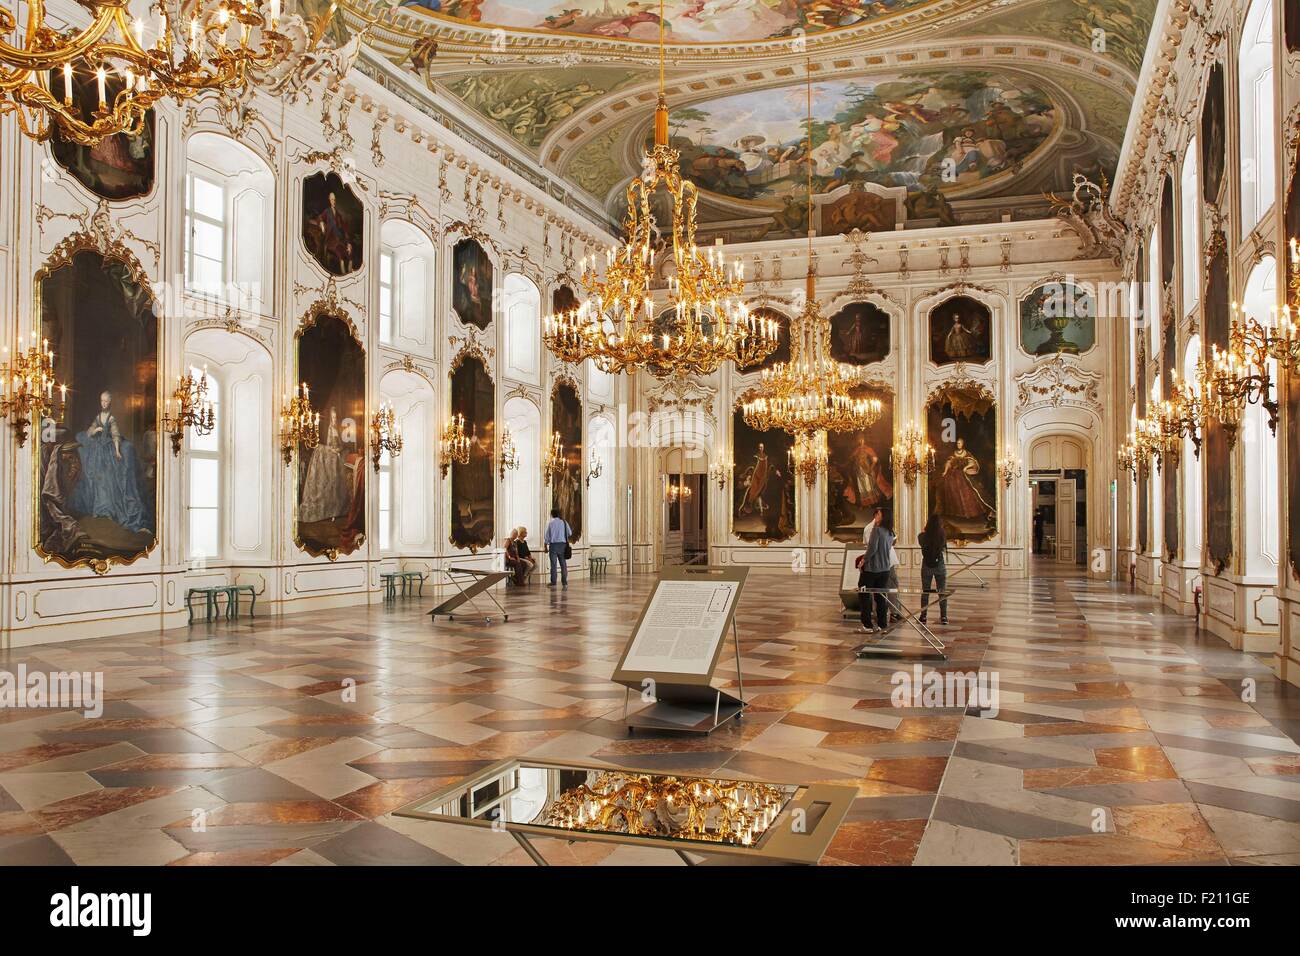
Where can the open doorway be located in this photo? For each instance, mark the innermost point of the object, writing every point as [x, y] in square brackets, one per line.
[686, 519]
[1058, 516]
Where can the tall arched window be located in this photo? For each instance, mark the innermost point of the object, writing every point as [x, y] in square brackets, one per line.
[406, 259]
[1192, 532]
[407, 486]
[229, 192]
[1259, 507]
[523, 493]
[1191, 230]
[203, 481]
[522, 307]
[600, 496]
[1258, 129]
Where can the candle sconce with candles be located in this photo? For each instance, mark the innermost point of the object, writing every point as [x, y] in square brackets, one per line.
[454, 445]
[385, 435]
[27, 388]
[555, 459]
[299, 425]
[188, 407]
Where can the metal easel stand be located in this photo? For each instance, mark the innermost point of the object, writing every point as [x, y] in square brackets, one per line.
[937, 649]
[964, 565]
[725, 706]
[456, 577]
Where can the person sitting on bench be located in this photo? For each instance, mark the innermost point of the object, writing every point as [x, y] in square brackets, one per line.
[526, 558]
[513, 564]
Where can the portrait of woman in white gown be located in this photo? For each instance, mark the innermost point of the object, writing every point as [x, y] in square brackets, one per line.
[326, 490]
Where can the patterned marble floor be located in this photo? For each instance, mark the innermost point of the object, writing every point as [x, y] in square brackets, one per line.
[231, 743]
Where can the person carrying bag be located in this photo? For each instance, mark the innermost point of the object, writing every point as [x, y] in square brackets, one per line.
[555, 541]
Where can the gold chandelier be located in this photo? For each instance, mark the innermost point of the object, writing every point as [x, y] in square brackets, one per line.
[385, 434]
[27, 388]
[705, 323]
[299, 425]
[812, 392]
[189, 56]
[1230, 379]
[189, 407]
[453, 447]
[912, 453]
[809, 457]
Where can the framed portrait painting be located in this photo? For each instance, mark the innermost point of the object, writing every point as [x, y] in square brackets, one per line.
[97, 482]
[331, 477]
[333, 224]
[471, 284]
[961, 330]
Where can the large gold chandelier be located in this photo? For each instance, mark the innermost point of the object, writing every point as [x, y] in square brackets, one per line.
[199, 46]
[705, 322]
[812, 392]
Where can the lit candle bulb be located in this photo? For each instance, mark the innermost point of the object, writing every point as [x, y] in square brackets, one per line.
[101, 77]
[67, 85]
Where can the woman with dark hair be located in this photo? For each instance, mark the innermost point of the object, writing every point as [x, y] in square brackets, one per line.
[934, 572]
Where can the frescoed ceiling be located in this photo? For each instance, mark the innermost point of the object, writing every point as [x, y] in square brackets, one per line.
[925, 111]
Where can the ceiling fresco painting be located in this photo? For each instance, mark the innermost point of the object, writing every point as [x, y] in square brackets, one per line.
[927, 112]
[685, 21]
[950, 131]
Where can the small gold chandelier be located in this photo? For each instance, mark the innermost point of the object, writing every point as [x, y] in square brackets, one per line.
[705, 323]
[453, 448]
[812, 392]
[1174, 419]
[188, 57]
[509, 457]
[809, 457]
[912, 453]
[1231, 379]
[555, 460]
[189, 407]
[595, 468]
[385, 434]
[1009, 466]
[299, 425]
[719, 469]
[27, 388]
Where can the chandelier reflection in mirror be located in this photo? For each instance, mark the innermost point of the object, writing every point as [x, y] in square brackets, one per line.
[508, 458]
[27, 388]
[194, 47]
[299, 424]
[714, 811]
[912, 453]
[555, 460]
[385, 435]
[704, 322]
[453, 447]
[189, 407]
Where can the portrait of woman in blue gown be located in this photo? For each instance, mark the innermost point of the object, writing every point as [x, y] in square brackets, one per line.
[109, 485]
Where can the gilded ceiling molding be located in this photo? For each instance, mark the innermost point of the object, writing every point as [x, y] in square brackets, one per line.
[1057, 382]
[962, 382]
[98, 228]
[1087, 214]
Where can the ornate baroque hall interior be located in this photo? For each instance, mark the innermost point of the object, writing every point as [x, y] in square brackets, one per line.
[465, 432]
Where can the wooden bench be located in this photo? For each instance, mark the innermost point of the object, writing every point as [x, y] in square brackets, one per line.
[598, 566]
